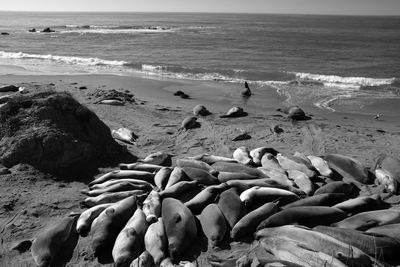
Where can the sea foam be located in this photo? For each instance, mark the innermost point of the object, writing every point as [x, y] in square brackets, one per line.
[346, 82]
[63, 59]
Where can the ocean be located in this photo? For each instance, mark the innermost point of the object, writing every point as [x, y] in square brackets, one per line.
[329, 60]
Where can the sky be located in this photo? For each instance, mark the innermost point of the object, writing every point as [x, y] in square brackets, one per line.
[337, 7]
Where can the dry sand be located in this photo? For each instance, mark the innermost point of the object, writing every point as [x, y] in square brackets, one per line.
[29, 200]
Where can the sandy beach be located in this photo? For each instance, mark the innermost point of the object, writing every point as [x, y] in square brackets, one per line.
[30, 200]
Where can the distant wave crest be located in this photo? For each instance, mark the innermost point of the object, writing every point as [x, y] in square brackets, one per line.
[345, 82]
[113, 29]
[62, 59]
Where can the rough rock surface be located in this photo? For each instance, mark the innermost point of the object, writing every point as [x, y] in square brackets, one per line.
[54, 133]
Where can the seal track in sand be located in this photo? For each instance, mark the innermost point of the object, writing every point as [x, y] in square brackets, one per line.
[312, 141]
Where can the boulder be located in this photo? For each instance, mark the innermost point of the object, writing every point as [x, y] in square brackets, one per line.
[9, 88]
[48, 30]
[56, 134]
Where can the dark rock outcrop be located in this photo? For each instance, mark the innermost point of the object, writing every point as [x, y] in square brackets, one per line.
[9, 88]
[48, 30]
[56, 134]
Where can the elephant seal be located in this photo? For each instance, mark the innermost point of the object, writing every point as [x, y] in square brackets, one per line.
[257, 194]
[205, 197]
[213, 224]
[368, 219]
[87, 217]
[189, 123]
[309, 216]
[145, 185]
[124, 135]
[349, 189]
[289, 163]
[390, 230]
[112, 102]
[201, 176]
[234, 112]
[139, 166]
[194, 163]
[176, 176]
[110, 197]
[211, 159]
[379, 247]
[257, 153]
[152, 207]
[317, 241]
[247, 225]
[294, 113]
[243, 185]
[155, 241]
[201, 110]
[180, 226]
[162, 176]
[237, 167]
[349, 168]
[242, 155]
[144, 260]
[298, 253]
[177, 189]
[158, 158]
[326, 199]
[361, 204]
[269, 161]
[108, 225]
[387, 172]
[129, 242]
[320, 165]
[55, 245]
[231, 206]
[278, 176]
[227, 176]
[302, 181]
[117, 187]
[246, 91]
[121, 174]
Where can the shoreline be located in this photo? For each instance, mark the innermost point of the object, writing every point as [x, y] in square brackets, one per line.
[219, 96]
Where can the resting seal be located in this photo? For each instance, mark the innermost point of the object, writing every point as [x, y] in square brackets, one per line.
[309, 216]
[108, 225]
[242, 155]
[155, 241]
[129, 242]
[214, 224]
[201, 110]
[387, 172]
[180, 226]
[55, 245]
[234, 113]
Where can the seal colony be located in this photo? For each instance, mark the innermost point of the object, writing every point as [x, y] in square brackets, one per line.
[151, 212]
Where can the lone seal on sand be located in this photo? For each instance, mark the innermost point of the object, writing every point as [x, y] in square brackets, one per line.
[201, 110]
[234, 113]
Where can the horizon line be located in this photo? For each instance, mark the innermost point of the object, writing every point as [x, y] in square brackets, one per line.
[204, 12]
